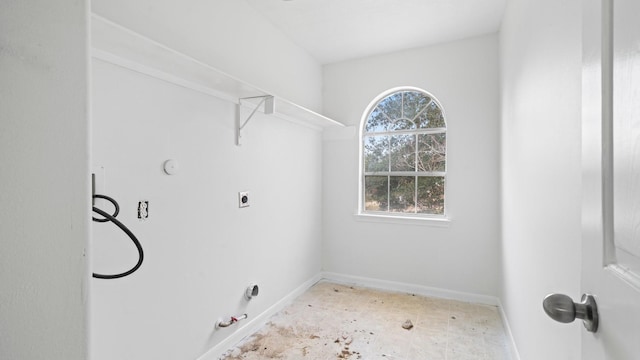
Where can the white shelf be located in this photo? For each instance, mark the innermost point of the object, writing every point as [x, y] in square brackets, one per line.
[120, 46]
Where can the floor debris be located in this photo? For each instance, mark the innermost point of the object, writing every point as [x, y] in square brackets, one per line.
[407, 325]
[332, 321]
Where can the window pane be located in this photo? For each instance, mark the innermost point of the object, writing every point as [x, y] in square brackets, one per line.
[377, 121]
[432, 152]
[431, 195]
[375, 193]
[403, 153]
[376, 153]
[431, 118]
[401, 124]
[413, 103]
[392, 106]
[402, 190]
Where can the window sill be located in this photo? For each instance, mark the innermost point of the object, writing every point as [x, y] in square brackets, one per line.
[403, 220]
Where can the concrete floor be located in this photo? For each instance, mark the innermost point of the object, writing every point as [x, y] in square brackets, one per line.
[333, 321]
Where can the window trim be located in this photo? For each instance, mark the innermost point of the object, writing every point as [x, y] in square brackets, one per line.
[410, 219]
[398, 217]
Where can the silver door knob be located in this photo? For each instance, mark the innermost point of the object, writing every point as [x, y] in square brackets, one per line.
[561, 308]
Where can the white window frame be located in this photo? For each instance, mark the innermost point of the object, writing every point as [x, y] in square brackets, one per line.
[399, 217]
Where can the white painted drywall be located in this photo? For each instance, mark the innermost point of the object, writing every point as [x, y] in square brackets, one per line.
[540, 57]
[229, 35]
[44, 177]
[201, 249]
[462, 257]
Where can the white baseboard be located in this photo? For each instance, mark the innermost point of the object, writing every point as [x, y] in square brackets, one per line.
[257, 322]
[410, 288]
[515, 355]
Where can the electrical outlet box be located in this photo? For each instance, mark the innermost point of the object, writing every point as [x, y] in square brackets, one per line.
[243, 199]
[143, 210]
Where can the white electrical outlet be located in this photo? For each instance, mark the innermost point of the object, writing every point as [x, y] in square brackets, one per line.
[243, 199]
[143, 210]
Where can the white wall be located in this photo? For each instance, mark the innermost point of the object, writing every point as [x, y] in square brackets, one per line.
[44, 201]
[541, 177]
[201, 250]
[229, 35]
[462, 257]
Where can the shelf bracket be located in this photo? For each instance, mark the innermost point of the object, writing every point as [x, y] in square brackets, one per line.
[267, 100]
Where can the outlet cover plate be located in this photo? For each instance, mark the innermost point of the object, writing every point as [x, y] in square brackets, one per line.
[243, 199]
[143, 210]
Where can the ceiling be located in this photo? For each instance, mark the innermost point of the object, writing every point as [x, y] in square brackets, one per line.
[337, 30]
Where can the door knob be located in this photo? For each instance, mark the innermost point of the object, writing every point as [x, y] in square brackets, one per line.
[561, 308]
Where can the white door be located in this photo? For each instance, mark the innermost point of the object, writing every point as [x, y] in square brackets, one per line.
[611, 176]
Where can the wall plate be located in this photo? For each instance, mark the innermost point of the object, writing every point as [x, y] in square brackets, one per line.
[143, 209]
[243, 199]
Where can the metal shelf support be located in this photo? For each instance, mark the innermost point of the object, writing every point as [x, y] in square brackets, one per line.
[269, 107]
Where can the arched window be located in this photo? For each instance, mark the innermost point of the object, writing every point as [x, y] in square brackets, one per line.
[403, 155]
